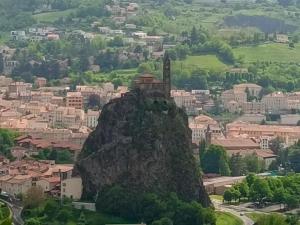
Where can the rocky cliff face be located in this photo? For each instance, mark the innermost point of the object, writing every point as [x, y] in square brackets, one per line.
[141, 142]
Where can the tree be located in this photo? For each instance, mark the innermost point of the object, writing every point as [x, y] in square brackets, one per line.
[279, 195]
[276, 145]
[64, 215]
[271, 219]
[182, 51]
[291, 201]
[227, 196]
[82, 219]
[253, 164]
[243, 189]
[215, 160]
[294, 158]
[237, 165]
[51, 208]
[172, 54]
[224, 167]
[250, 178]
[151, 207]
[98, 43]
[192, 214]
[163, 221]
[94, 101]
[260, 191]
[32, 221]
[34, 197]
[202, 149]
[116, 42]
[291, 45]
[194, 36]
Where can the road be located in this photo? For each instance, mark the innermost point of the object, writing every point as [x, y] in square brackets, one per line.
[237, 211]
[16, 211]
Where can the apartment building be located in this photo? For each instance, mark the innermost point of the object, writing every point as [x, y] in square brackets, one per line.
[290, 134]
[183, 99]
[19, 90]
[72, 188]
[253, 107]
[40, 82]
[252, 89]
[233, 95]
[91, 118]
[5, 81]
[275, 102]
[74, 99]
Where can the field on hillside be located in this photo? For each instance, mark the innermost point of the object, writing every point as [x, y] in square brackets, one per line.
[210, 62]
[270, 52]
[52, 16]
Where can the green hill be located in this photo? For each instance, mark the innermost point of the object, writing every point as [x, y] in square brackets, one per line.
[270, 52]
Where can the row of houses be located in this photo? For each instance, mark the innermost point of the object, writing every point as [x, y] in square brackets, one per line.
[55, 180]
[236, 100]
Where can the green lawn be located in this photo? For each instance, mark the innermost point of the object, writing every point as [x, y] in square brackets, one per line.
[254, 216]
[52, 16]
[269, 52]
[125, 76]
[210, 62]
[224, 218]
[216, 197]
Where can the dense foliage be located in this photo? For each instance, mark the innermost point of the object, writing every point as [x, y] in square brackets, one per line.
[60, 157]
[152, 208]
[6, 142]
[51, 212]
[281, 190]
[214, 159]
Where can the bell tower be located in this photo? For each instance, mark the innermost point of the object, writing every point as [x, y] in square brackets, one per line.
[167, 75]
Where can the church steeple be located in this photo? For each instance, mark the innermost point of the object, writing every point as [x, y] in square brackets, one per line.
[167, 75]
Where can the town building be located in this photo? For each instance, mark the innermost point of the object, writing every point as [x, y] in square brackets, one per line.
[183, 99]
[282, 38]
[233, 95]
[40, 82]
[275, 102]
[290, 119]
[290, 134]
[5, 81]
[252, 118]
[71, 188]
[253, 107]
[20, 90]
[91, 118]
[74, 99]
[251, 89]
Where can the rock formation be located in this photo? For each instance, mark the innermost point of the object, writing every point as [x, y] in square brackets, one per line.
[142, 142]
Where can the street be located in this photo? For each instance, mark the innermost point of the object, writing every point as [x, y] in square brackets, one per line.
[235, 210]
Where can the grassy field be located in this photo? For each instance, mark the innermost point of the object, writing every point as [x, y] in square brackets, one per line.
[254, 216]
[125, 76]
[269, 52]
[216, 197]
[210, 62]
[224, 218]
[52, 16]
